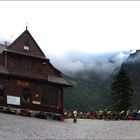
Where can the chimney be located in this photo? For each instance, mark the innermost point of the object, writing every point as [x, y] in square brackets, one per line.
[5, 43]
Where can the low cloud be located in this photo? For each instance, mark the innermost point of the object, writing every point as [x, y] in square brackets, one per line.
[104, 63]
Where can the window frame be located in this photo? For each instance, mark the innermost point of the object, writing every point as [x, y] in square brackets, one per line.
[26, 47]
[50, 96]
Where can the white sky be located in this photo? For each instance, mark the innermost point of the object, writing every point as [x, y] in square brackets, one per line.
[86, 26]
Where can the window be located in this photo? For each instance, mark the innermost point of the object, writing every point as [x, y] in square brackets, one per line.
[26, 44]
[50, 96]
[26, 95]
[26, 47]
[1, 91]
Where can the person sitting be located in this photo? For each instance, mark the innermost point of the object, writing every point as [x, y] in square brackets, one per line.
[95, 115]
[88, 115]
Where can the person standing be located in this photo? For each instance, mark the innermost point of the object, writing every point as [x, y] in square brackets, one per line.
[75, 115]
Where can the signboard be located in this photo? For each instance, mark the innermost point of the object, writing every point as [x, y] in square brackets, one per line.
[13, 100]
[36, 102]
[22, 83]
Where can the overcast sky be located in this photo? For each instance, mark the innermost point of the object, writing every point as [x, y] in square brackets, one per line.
[86, 26]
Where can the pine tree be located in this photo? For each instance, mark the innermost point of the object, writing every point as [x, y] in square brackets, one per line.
[122, 92]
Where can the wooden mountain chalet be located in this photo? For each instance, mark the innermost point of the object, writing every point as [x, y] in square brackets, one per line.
[28, 81]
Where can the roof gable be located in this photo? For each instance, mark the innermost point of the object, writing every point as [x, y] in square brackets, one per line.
[25, 43]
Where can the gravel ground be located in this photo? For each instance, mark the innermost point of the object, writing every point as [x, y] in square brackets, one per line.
[14, 127]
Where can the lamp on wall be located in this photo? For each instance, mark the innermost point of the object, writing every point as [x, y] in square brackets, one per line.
[36, 95]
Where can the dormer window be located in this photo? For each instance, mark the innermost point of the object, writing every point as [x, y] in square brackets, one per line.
[26, 47]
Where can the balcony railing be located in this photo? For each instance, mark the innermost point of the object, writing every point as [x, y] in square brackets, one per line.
[23, 73]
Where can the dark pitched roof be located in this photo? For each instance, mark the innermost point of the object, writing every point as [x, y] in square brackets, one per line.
[26, 33]
[25, 54]
[59, 80]
[49, 78]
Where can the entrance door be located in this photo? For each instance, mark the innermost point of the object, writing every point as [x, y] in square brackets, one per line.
[26, 95]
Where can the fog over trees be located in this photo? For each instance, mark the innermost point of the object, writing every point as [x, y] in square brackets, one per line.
[103, 63]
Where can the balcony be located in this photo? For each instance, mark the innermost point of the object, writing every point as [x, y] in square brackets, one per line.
[27, 74]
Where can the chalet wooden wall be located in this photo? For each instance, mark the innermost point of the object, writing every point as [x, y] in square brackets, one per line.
[25, 71]
[13, 86]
